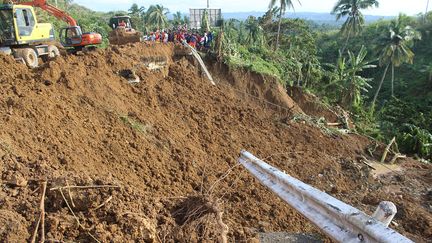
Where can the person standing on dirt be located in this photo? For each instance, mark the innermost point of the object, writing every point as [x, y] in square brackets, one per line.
[171, 36]
[158, 36]
[152, 37]
[210, 38]
[165, 38]
[193, 41]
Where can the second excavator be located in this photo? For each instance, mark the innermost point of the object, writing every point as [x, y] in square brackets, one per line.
[122, 32]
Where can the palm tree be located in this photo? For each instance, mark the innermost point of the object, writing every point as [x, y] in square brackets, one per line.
[283, 6]
[230, 28]
[269, 16]
[226, 41]
[355, 19]
[157, 16]
[186, 19]
[346, 77]
[396, 50]
[136, 11]
[177, 19]
[254, 31]
[356, 84]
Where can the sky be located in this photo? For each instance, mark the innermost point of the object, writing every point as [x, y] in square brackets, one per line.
[387, 7]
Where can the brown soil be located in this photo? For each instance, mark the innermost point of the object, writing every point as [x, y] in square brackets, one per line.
[123, 36]
[169, 143]
[312, 106]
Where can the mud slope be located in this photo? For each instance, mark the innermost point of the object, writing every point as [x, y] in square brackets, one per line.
[170, 143]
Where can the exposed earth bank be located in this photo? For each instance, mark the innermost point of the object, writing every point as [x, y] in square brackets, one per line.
[169, 144]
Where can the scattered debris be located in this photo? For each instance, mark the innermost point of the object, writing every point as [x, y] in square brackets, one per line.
[71, 133]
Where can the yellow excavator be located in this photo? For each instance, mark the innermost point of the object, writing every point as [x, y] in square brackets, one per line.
[23, 37]
[122, 32]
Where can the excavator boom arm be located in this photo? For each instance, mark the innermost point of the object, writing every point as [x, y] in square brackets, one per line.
[54, 11]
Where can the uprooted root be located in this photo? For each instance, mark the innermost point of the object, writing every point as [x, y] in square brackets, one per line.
[202, 214]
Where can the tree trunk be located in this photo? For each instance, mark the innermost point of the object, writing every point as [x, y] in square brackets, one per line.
[379, 87]
[279, 29]
[346, 42]
[427, 9]
[392, 81]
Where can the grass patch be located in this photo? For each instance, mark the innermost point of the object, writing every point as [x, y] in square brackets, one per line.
[135, 125]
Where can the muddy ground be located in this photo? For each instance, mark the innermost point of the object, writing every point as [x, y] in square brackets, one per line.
[163, 153]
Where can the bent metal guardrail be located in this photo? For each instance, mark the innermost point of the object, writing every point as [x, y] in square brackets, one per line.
[338, 220]
[200, 61]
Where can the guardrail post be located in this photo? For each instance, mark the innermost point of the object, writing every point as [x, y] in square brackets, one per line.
[385, 212]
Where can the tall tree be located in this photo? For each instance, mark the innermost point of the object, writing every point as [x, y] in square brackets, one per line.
[356, 84]
[137, 13]
[427, 10]
[355, 19]
[396, 50]
[205, 21]
[177, 18]
[283, 6]
[254, 31]
[346, 78]
[135, 10]
[157, 16]
[268, 18]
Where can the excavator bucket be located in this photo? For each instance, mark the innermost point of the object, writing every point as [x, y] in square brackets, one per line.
[123, 36]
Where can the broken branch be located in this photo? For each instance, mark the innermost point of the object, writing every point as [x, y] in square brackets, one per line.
[42, 209]
[383, 158]
[76, 218]
[83, 187]
[396, 157]
[104, 203]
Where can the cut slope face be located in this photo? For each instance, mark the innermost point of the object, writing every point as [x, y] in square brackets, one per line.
[171, 143]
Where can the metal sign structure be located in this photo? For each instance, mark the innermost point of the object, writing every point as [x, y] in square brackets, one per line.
[196, 15]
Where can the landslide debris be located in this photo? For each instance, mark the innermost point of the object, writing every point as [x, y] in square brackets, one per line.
[165, 143]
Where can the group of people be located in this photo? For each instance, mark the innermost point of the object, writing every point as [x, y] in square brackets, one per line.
[193, 38]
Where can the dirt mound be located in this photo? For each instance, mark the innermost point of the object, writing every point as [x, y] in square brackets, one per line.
[122, 36]
[312, 106]
[156, 160]
[257, 87]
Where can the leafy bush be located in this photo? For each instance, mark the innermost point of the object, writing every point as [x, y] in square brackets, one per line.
[415, 140]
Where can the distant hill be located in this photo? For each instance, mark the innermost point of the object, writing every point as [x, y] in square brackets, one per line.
[320, 18]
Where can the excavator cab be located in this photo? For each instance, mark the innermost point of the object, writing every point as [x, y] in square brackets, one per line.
[7, 30]
[71, 36]
[123, 32]
[121, 22]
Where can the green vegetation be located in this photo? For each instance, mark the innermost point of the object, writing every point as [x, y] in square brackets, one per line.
[283, 6]
[354, 18]
[347, 67]
[157, 16]
[134, 124]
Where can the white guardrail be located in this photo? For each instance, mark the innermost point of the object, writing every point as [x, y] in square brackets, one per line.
[200, 61]
[340, 221]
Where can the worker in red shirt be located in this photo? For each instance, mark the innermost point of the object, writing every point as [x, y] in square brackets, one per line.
[122, 24]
